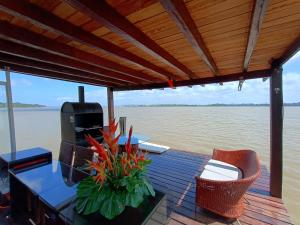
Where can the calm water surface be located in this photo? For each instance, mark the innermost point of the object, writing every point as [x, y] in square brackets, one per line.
[198, 129]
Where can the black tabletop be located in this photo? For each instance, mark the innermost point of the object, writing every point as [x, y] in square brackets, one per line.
[54, 183]
[23, 154]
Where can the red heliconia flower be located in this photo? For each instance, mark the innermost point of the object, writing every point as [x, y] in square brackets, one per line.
[142, 158]
[99, 148]
[109, 138]
[99, 167]
[112, 127]
[128, 144]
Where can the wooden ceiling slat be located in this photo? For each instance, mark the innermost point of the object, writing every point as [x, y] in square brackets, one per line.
[53, 75]
[280, 28]
[23, 36]
[127, 7]
[78, 19]
[224, 27]
[184, 21]
[45, 19]
[53, 68]
[46, 4]
[104, 13]
[31, 53]
[259, 9]
[288, 53]
[63, 10]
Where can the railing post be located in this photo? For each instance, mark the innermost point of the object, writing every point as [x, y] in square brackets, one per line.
[10, 110]
[110, 104]
[276, 126]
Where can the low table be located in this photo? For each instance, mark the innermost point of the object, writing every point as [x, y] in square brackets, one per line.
[21, 159]
[13, 159]
[152, 207]
[46, 188]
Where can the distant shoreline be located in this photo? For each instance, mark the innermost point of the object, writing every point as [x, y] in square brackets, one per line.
[23, 105]
[210, 105]
[44, 107]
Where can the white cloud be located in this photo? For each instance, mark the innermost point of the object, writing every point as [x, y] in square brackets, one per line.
[98, 95]
[253, 91]
[65, 99]
[20, 82]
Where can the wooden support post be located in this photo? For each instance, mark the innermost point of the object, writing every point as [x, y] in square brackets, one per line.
[276, 116]
[10, 111]
[110, 104]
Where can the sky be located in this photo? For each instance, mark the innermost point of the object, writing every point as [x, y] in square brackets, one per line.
[30, 89]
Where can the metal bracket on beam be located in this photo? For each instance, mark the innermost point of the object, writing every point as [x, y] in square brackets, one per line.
[241, 82]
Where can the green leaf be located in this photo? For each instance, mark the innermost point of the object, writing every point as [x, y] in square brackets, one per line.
[112, 206]
[134, 199]
[86, 187]
[149, 187]
[93, 204]
[86, 191]
[80, 204]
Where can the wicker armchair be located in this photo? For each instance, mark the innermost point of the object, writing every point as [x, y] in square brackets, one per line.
[225, 198]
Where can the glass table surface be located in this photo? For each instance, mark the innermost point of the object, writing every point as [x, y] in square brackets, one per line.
[54, 183]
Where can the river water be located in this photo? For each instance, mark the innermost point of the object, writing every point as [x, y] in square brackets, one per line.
[198, 129]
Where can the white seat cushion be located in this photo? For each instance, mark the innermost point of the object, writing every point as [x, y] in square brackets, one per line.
[217, 170]
[151, 147]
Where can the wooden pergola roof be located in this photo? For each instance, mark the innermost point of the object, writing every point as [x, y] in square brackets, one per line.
[139, 44]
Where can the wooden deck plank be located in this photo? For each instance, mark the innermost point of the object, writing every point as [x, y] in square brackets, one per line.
[174, 172]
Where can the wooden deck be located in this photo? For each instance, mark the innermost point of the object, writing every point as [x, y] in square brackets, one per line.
[174, 172]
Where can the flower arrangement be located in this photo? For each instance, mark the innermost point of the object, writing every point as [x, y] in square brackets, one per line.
[118, 178]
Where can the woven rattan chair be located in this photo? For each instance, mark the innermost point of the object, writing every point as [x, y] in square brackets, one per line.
[225, 198]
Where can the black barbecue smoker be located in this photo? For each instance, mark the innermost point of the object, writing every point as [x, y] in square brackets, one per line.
[79, 119]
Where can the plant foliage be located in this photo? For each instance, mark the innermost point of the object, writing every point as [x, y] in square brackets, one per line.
[119, 178]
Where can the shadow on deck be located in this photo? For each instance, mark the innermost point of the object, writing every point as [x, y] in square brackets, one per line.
[174, 172]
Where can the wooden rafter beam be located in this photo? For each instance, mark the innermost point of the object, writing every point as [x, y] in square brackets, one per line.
[289, 53]
[104, 13]
[31, 53]
[56, 69]
[38, 16]
[202, 81]
[181, 16]
[258, 12]
[32, 39]
[49, 74]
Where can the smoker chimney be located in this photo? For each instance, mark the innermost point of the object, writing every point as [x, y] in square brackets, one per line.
[81, 94]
